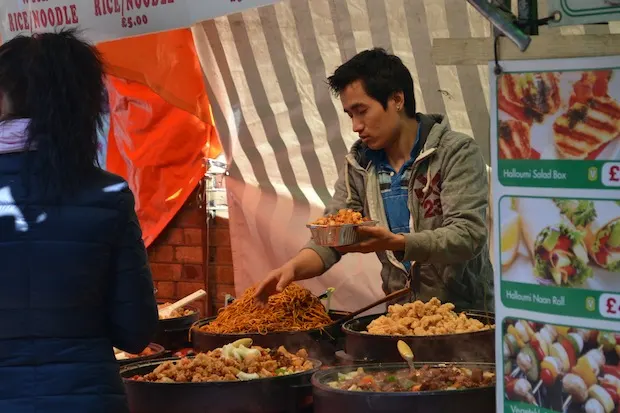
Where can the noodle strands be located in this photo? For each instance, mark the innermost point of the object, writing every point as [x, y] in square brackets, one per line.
[294, 309]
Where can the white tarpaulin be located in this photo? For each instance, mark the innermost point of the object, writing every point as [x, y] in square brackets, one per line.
[286, 137]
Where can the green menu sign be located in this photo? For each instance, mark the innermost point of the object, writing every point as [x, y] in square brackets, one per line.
[571, 12]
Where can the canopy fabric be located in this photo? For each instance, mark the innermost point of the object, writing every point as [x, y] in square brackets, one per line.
[285, 136]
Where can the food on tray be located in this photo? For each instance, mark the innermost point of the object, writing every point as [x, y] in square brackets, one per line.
[586, 127]
[123, 355]
[529, 97]
[179, 312]
[514, 139]
[603, 236]
[593, 83]
[294, 309]
[556, 247]
[233, 362]
[537, 357]
[424, 319]
[427, 378]
[343, 217]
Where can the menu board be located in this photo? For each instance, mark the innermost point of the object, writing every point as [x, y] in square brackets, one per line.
[555, 147]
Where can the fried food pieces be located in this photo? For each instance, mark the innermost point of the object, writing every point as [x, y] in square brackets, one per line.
[424, 319]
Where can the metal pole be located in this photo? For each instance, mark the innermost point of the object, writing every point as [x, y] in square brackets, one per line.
[528, 12]
[503, 21]
[507, 5]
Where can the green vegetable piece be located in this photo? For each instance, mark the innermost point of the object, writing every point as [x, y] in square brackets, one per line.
[614, 237]
[551, 240]
[533, 374]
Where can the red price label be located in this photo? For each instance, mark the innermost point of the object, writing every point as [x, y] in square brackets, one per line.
[129, 22]
[609, 305]
[611, 174]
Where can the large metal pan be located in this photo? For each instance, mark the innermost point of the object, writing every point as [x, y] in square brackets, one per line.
[330, 400]
[284, 394]
[172, 333]
[320, 343]
[478, 346]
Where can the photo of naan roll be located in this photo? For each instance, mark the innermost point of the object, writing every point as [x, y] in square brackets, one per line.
[580, 212]
[603, 236]
[556, 246]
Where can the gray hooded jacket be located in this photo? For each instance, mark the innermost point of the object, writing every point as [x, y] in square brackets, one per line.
[448, 200]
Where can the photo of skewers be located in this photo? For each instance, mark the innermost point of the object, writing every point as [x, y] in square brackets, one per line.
[561, 368]
[559, 115]
[560, 242]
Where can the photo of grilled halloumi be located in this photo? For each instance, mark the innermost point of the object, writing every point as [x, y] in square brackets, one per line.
[585, 128]
[514, 139]
[593, 83]
[529, 97]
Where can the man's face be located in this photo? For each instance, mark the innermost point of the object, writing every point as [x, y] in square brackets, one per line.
[376, 127]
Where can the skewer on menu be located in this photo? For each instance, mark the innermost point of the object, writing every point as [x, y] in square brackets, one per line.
[551, 354]
[557, 250]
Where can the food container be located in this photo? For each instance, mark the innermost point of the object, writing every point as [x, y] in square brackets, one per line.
[321, 343]
[156, 351]
[478, 346]
[173, 333]
[330, 400]
[337, 235]
[282, 394]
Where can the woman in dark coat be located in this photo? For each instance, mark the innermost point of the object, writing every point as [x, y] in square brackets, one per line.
[74, 275]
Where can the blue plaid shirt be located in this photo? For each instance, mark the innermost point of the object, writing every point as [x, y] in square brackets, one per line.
[395, 189]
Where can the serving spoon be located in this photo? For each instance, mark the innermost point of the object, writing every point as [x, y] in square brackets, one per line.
[406, 353]
[166, 311]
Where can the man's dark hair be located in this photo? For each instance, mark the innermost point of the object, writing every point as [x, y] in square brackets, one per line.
[56, 81]
[382, 74]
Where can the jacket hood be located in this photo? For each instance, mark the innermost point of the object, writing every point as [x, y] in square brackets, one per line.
[433, 128]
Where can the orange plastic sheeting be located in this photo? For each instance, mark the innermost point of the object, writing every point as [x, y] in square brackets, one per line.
[161, 126]
[166, 62]
[158, 148]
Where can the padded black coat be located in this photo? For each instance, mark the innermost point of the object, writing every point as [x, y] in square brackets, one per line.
[74, 282]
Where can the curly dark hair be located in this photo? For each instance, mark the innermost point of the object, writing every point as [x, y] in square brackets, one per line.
[382, 74]
[56, 81]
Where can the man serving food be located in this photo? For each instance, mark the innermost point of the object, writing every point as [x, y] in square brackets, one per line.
[425, 185]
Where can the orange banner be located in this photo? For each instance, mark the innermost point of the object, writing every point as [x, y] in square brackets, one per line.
[161, 127]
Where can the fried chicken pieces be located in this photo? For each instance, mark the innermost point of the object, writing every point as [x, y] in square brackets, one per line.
[214, 366]
[424, 319]
[343, 217]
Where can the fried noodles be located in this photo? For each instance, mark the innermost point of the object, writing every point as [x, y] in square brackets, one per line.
[294, 309]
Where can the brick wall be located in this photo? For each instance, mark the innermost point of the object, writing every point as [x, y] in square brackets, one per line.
[221, 277]
[177, 255]
[180, 255]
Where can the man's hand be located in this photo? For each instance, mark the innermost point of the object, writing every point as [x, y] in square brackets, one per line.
[275, 282]
[376, 239]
